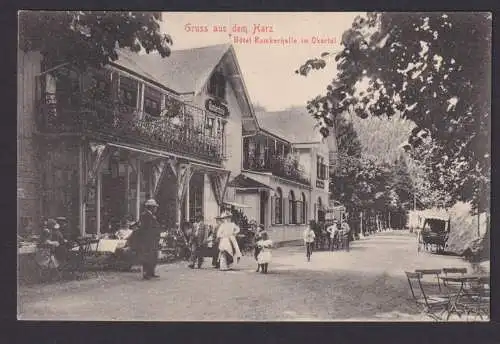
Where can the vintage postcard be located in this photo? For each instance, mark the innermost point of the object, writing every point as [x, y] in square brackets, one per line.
[233, 166]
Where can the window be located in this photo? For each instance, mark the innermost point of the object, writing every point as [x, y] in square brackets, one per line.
[99, 88]
[128, 92]
[128, 97]
[321, 168]
[67, 88]
[217, 85]
[152, 106]
[221, 128]
[292, 208]
[278, 207]
[196, 195]
[210, 127]
[320, 210]
[301, 209]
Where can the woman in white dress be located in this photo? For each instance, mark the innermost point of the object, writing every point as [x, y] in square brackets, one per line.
[264, 257]
[229, 251]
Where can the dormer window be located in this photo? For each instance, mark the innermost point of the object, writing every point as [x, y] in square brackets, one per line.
[217, 85]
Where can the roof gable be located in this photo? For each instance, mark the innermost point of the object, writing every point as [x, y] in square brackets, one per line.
[294, 125]
[184, 71]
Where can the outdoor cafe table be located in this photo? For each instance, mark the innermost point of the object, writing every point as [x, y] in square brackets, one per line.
[463, 280]
[105, 245]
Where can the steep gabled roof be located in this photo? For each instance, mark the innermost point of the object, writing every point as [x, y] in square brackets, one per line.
[294, 125]
[184, 71]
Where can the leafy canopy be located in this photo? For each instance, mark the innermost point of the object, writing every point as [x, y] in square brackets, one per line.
[90, 37]
[431, 68]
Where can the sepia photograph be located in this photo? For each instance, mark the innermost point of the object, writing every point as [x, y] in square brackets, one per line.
[253, 166]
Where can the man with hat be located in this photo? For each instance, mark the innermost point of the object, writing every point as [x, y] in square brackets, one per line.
[333, 230]
[197, 239]
[148, 238]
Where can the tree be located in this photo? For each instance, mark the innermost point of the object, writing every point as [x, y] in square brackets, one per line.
[91, 38]
[347, 163]
[431, 68]
[402, 184]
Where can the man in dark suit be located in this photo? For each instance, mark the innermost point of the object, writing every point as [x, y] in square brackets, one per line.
[197, 239]
[148, 238]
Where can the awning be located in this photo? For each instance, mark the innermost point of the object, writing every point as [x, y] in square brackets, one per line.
[161, 154]
[237, 205]
[243, 182]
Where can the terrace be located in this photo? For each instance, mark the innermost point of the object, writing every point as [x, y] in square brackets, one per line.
[264, 154]
[129, 111]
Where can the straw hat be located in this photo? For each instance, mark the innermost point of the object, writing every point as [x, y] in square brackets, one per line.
[224, 215]
[151, 202]
[52, 224]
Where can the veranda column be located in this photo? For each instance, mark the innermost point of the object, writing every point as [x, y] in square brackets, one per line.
[127, 189]
[81, 188]
[98, 201]
[269, 211]
[138, 194]
[186, 209]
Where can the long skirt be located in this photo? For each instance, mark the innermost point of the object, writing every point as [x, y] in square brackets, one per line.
[225, 260]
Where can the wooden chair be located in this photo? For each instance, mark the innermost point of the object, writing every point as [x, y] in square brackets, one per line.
[433, 306]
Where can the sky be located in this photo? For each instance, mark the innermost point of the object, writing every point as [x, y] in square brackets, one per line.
[268, 69]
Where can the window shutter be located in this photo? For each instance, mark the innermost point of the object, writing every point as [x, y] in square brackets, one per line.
[286, 215]
[273, 210]
[315, 211]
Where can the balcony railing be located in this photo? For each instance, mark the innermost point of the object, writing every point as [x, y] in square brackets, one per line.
[184, 134]
[287, 167]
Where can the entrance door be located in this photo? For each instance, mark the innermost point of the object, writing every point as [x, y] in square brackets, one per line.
[167, 198]
[113, 202]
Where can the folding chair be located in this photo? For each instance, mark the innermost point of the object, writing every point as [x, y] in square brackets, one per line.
[476, 298]
[435, 272]
[447, 271]
[86, 248]
[433, 306]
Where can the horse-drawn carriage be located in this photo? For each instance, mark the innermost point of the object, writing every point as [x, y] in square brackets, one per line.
[434, 232]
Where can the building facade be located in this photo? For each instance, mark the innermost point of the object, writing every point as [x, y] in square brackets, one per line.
[284, 179]
[94, 145]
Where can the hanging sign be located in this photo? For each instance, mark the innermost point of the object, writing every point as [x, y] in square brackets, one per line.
[216, 107]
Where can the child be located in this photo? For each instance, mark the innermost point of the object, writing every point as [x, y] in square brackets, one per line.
[261, 235]
[263, 250]
[309, 237]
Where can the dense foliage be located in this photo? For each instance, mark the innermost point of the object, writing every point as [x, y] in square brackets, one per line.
[365, 183]
[90, 37]
[431, 68]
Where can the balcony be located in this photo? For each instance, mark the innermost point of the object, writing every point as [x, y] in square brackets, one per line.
[284, 167]
[181, 132]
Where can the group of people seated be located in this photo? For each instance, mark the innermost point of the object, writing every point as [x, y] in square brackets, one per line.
[53, 245]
